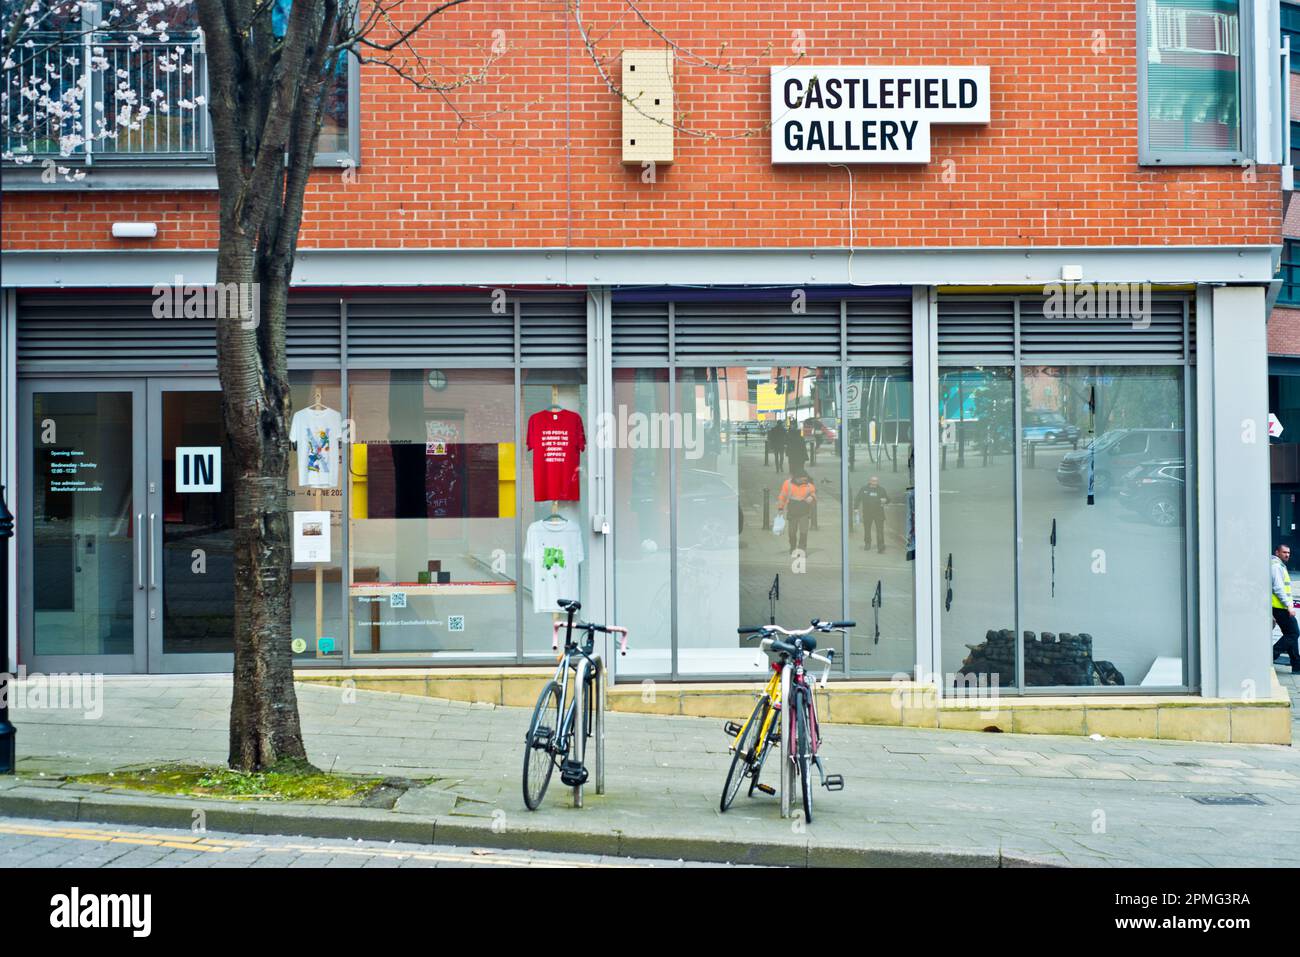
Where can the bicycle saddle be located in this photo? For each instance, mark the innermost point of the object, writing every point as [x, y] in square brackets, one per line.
[570, 604]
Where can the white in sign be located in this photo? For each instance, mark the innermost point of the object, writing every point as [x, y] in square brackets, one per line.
[870, 114]
[1274, 426]
[198, 468]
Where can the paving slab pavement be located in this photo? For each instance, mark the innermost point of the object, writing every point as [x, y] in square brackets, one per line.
[911, 795]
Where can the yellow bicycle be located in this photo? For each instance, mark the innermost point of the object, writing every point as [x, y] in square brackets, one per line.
[756, 738]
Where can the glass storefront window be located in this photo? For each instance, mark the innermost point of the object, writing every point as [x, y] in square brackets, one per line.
[977, 526]
[1103, 577]
[733, 495]
[316, 491]
[555, 508]
[882, 582]
[432, 470]
[643, 596]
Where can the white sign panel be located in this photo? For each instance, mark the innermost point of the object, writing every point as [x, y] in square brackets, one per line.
[1274, 426]
[311, 536]
[198, 468]
[870, 114]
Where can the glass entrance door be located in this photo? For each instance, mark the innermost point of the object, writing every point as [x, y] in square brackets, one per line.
[125, 523]
[82, 526]
[191, 515]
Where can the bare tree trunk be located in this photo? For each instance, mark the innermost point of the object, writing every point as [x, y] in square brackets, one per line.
[264, 724]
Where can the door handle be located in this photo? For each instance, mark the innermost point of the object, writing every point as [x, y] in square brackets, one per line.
[139, 550]
[153, 582]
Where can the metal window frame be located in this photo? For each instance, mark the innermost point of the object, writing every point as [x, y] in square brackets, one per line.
[349, 158]
[1192, 649]
[842, 366]
[1244, 154]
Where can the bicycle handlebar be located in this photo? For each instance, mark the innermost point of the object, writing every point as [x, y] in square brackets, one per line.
[816, 625]
[589, 628]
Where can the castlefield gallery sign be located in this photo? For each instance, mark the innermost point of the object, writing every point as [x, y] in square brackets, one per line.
[870, 114]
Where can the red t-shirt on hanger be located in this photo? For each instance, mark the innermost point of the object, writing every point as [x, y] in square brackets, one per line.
[556, 440]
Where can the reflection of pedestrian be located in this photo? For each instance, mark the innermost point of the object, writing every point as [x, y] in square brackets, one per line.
[1283, 609]
[795, 450]
[870, 503]
[798, 493]
[774, 442]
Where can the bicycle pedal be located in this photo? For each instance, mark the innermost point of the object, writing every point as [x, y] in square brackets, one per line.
[732, 729]
[542, 737]
[834, 782]
[572, 773]
[766, 788]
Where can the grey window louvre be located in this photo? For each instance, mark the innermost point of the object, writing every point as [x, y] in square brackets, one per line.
[429, 331]
[976, 331]
[1157, 337]
[983, 331]
[731, 333]
[879, 330]
[639, 334]
[467, 330]
[90, 333]
[552, 328]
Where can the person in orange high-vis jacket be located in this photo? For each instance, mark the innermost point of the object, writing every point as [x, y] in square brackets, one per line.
[798, 493]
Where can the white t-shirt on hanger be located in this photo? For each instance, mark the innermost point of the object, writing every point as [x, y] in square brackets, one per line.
[316, 434]
[555, 551]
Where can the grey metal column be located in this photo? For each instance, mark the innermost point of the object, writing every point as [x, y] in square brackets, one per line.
[925, 308]
[600, 458]
[1240, 463]
[1203, 456]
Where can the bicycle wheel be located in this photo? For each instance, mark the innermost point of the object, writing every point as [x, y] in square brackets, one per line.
[803, 756]
[744, 754]
[773, 741]
[539, 745]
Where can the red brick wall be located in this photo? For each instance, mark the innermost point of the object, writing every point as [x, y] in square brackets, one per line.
[1057, 164]
[1284, 332]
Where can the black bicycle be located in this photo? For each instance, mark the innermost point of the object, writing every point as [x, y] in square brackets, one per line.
[558, 734]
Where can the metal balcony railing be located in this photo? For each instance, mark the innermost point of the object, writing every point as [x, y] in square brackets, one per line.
[122, 75]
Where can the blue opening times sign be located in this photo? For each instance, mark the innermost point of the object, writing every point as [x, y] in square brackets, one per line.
[870, 114]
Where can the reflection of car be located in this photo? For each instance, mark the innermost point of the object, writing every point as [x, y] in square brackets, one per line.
[705, 501]
[751, 427]
[1049, 428]
[818, 429]
[1115, 452]
[1155, 491]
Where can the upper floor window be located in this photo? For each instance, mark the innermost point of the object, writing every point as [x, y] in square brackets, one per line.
[92, 98]
[339, 128]
[1191, 82]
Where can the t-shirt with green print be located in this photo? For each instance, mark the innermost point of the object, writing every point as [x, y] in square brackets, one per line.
[555, 551]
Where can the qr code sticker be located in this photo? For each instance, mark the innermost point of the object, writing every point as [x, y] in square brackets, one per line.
[397, 599]
[455, 622]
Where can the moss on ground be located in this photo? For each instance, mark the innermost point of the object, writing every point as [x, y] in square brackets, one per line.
[276, 784]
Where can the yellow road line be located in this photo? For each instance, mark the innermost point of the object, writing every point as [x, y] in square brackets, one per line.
[221, 845]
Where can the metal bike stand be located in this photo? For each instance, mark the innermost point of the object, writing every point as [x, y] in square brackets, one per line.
[787, 776]
[598, 726]
[597, 723]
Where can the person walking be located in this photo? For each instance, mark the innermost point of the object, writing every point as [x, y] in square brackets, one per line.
[870, 503]
[1284, 612]
[796, 452]
[774, 442]
[798, 494]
